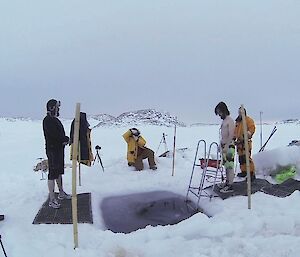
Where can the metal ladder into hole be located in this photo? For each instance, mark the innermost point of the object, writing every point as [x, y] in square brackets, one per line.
[209, 169]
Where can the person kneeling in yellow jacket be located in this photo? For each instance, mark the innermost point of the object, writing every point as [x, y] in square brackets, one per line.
[136, 150]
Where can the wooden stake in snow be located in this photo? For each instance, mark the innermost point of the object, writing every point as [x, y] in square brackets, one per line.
[245, 130]
[74, 168]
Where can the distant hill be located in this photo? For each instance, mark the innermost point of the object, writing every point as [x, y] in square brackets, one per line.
[139, 117]
[203, 124]
[14, 119]
[289, 121]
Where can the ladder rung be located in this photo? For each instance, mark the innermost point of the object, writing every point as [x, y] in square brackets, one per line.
[194, 187]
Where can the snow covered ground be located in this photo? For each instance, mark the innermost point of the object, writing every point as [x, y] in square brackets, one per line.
[270, 228]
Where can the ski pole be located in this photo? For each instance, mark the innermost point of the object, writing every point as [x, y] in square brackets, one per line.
[174, 148]
[272, 133]
[2, 247]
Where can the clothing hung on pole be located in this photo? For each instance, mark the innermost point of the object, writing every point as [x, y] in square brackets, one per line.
[85, 154]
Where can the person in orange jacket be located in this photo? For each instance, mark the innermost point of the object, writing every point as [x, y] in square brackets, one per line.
[240, 145]
[136, 150]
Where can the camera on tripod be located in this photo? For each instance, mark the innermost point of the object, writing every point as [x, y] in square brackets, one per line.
[97, 156]
[166, 153]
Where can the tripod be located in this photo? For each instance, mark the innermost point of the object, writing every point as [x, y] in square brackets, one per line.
[2, 247]
[163, 140]
[97, 156]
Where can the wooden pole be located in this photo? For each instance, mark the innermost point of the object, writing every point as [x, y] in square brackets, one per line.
[74, 168]
[245, 130]
[174, 149]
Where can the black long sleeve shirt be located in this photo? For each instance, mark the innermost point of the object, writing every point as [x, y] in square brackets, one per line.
[54, 133]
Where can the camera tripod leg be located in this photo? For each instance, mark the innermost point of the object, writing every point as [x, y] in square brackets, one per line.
[163, 141]
[101, 162]
[97, 156]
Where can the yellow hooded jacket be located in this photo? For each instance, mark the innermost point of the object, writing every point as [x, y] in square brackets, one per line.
[239, 133]
[132, 146]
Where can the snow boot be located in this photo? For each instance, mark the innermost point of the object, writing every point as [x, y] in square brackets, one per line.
[227, 189]
[222, 185]
[54, 204]
[64, 196]
[242, 174]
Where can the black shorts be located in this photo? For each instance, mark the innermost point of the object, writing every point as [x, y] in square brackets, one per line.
[56, 163]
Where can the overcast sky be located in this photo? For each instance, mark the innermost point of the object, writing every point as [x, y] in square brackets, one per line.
[178, 56]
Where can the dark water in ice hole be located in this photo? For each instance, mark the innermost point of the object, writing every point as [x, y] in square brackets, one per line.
[127, 213]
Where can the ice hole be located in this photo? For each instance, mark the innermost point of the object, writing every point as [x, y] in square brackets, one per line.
[128, 213]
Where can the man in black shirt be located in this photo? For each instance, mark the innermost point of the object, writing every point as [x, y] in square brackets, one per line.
[55, 139]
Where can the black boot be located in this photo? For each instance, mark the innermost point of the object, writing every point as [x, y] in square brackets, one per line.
[242, 174]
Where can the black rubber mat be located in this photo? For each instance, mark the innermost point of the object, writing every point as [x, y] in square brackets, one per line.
[279, 190]
[240, 188]
[128, 213]
[63, 215]
[284, 189]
